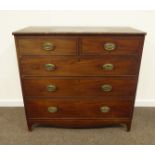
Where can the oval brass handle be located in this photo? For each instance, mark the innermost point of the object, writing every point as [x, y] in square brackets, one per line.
[108, 67]
[105, 109]
[106, 87]
[109, 46]
[48, 46]
[52, 109]
[51, 88]
[50, 67]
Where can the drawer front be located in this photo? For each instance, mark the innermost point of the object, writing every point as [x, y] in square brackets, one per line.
[47, 46]
[54, 87]
[50, 108]
[86, 66]
[110, 45]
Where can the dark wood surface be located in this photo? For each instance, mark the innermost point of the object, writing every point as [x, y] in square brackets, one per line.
[86, 108]
[78, 56]
[34, 46]
[124, 45]
[79, 122]
[121, 86]
[82, 66]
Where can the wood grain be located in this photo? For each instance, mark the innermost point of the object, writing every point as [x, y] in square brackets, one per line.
[83, 66]
[124, 45]
[121, 86]
[81, 108]
[34, 46]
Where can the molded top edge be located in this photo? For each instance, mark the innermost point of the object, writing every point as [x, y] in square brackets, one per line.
[43, 30]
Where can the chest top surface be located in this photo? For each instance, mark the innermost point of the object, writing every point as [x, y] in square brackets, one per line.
[39, 30]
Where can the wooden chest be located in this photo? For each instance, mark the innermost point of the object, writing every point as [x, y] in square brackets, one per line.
[79, 77]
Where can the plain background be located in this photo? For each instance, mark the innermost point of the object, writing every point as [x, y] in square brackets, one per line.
[10, 91]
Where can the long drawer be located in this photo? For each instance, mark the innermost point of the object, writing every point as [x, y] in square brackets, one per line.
[47, 46]
[110, 44]
[91, 108]
[57, 87]
[85, 66]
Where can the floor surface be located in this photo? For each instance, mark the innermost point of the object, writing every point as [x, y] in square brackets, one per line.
[13, 130]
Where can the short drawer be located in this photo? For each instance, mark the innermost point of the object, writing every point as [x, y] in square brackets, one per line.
[57, 87]
[91, 108]
[111, 45]
[85, 66]
[47, 46]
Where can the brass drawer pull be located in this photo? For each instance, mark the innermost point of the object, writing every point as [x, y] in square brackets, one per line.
[108, 67]
[48, 46]
[106, 87]
[105, 109]
[109, 46]
[50, 67]
[51, 88]
[52, 109]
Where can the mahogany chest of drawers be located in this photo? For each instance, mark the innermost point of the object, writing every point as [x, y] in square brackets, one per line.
[79, 77]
